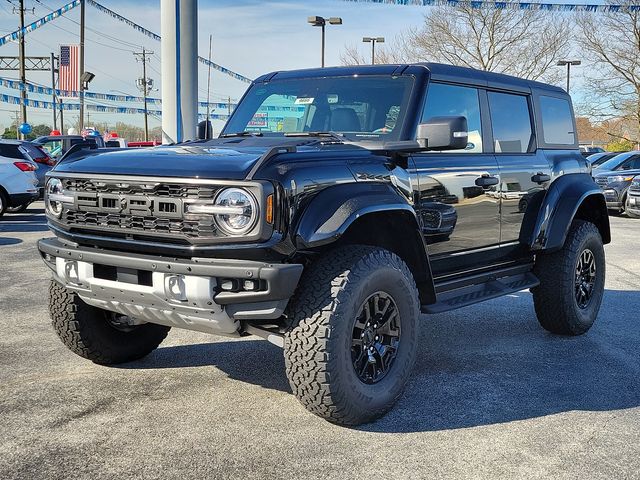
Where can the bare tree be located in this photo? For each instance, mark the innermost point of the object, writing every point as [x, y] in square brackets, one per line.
[611, 40]
[351, 55]
[525, 43]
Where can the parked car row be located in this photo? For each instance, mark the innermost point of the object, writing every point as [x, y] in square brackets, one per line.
[615, 173]
[18, 180]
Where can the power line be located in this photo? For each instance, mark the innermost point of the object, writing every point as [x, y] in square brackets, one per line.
[101, 34]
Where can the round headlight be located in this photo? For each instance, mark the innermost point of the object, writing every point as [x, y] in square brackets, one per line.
[54, 187]
[241, 211]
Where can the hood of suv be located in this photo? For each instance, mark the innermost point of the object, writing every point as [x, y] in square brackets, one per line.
[227, 158]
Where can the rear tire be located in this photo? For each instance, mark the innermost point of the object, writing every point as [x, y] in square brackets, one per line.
[346, 313]
[87, 332]
[571, 287]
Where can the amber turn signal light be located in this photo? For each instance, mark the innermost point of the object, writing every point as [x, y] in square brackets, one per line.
[269, 209]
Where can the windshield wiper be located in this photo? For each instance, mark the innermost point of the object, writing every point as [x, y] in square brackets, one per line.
[241, 134]
[335, 135]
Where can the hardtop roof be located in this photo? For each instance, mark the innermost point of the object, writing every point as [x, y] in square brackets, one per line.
[438, 71]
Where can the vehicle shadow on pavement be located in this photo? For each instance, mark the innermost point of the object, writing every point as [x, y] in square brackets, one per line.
[486, 364]
[9, 240]
[251, 361]
[31, 220]
[497, 365]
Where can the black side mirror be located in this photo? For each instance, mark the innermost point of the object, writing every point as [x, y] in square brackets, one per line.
[443, 133]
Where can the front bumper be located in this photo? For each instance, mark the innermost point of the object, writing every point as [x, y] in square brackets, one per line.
[613, 199]
[176, 292]
[633, 205]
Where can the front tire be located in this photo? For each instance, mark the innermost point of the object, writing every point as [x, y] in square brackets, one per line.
[354, 335]
[571, 287]
[87, 330]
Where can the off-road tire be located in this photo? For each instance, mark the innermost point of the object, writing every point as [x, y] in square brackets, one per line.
[555, 298]
[85, 330]
[317, 347]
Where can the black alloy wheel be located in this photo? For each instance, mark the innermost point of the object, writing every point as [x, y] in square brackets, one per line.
[376, 337]
[585, 278]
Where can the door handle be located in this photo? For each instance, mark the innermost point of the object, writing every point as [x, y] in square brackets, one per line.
[487, 181]
[540, 178]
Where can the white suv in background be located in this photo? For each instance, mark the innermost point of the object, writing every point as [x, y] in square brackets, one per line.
[18, 181]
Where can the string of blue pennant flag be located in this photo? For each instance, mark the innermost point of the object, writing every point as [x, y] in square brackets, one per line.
[29, 87]
[37, 89]
[510, 5]
[13, 36]
[10, 99]
[157, 37]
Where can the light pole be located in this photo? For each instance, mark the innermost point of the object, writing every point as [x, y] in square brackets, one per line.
[373, 41]
[321, 22]
[568, 63]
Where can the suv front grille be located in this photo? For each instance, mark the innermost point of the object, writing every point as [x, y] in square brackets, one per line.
[135, 223]
[601, 181]
[134, 208]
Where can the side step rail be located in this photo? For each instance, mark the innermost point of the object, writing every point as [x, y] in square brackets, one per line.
[493, 286]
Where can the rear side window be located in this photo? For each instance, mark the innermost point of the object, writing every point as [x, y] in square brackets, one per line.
[452, 100]
[510, 122]
[557, 121]
[10, 151]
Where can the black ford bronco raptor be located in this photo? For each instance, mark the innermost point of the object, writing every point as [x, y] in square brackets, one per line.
[335, 207]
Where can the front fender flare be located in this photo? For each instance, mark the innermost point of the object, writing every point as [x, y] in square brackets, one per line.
[333, 210]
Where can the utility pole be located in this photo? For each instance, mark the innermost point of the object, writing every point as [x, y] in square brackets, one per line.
[82, 12]
[53, 94]
[23, 76]
[143, 84]
[229, 107]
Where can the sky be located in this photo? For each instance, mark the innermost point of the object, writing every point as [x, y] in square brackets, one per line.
[250, 37]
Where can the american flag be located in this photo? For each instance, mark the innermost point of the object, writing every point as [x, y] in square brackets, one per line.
[69, 72]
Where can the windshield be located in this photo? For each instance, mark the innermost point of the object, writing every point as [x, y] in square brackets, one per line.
[359, 107]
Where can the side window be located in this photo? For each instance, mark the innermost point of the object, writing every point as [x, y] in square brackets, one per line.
[557, 121]
[510, 121]
[452, 100]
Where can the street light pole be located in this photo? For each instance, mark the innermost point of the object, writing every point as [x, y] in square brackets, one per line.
[373, 41]
[568, 63]
[316, 21]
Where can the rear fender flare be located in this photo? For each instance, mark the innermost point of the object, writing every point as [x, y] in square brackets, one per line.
[561, 204]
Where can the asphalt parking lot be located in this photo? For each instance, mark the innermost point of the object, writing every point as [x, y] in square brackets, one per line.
[492, 395]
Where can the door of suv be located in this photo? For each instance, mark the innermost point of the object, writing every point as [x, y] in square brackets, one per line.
[524, 174]
[457, 198]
